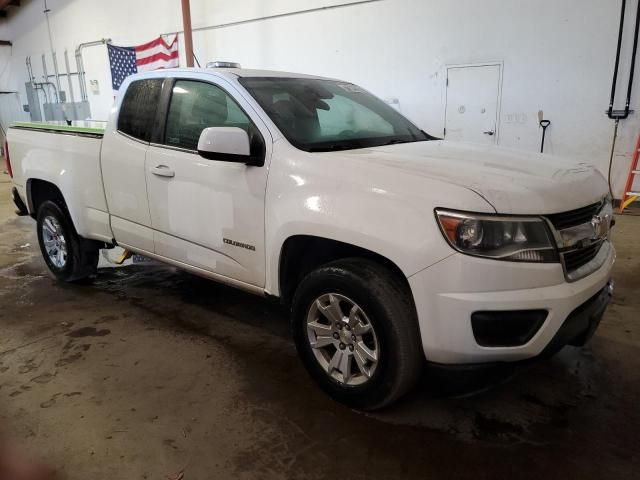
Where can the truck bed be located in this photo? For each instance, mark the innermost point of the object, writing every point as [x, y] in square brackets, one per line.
[78, 127]
[67, 156]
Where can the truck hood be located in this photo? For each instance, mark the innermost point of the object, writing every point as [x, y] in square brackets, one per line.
[512, 181]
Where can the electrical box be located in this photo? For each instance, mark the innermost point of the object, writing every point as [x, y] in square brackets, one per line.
[66, 111]
[33, 102]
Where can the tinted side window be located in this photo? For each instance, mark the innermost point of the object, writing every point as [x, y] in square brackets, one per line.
[196, 106]
[138, 110]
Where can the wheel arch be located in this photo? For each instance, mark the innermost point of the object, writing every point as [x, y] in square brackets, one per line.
[301, 254]
[88, 223]
[39, 191]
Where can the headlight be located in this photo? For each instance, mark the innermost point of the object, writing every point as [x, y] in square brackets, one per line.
[513, 239]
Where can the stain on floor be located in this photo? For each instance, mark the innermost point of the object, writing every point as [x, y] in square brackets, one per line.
[148, 371]
[88, 332]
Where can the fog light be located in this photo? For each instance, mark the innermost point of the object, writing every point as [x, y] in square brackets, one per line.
[508, 328]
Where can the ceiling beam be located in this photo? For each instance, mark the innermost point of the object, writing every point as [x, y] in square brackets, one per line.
[188, 35]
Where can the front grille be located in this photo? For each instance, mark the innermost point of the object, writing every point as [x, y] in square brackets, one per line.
[575, 259]
[574, 217]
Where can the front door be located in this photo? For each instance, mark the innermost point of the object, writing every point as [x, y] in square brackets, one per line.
[207, 214]
[473, 96]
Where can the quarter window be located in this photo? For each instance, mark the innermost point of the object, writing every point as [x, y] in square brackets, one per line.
[196, 106]
[138, 109]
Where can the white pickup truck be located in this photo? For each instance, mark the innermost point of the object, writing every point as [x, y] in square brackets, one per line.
[389, 246]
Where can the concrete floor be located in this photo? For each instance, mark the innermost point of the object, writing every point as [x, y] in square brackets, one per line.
[149, 372]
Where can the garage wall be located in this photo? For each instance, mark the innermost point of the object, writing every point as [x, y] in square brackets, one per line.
[558, 55]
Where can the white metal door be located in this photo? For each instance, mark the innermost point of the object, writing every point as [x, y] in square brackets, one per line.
[207, 214]
[123, 174]
[473, 97]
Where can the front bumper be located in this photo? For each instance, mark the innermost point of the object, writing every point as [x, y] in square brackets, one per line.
[583, 322]
[449, 292]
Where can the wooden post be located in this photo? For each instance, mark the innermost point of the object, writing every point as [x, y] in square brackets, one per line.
[188, 34]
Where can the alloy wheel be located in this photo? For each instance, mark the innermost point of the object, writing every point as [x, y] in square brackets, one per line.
[54, 241]
[342, 339]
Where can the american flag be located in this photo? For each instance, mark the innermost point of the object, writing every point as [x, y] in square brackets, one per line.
[125, 61]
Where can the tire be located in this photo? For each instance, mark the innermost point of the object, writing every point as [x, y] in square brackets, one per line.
[76, 258]
[381, 300]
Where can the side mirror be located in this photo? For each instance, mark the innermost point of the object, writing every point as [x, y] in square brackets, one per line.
[226, 144]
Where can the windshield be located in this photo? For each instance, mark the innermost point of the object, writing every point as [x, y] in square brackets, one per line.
[326, 115]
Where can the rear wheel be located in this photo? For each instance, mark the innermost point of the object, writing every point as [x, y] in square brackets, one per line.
[355, 328]
[68, 256]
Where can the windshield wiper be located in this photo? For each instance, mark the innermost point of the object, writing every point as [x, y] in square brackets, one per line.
[335, 147]
[395, 141]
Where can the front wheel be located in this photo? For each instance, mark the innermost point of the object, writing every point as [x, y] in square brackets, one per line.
[68, 256]
[355, 329]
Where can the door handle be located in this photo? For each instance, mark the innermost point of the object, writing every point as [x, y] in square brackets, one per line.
[491, 133]
[163, 171]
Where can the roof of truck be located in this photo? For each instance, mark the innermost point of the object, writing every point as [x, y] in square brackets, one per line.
[246, 73]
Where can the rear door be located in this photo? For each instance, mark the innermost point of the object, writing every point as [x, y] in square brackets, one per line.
[123, 165]
[207, 214]
[473, 97]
